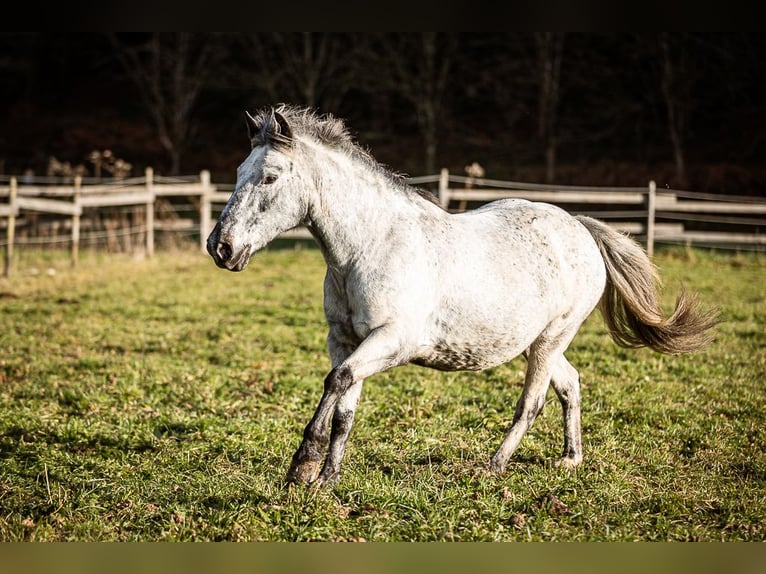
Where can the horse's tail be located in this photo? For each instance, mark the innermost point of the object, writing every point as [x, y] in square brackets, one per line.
[631, 302]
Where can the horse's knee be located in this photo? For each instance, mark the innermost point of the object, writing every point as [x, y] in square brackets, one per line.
[339, 380]
[569, 395]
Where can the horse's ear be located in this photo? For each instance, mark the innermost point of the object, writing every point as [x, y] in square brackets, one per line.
[284, 129]
[252, 127]
[269, 128]
[279, 132]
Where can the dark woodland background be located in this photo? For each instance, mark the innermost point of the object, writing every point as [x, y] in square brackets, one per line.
[685, 109]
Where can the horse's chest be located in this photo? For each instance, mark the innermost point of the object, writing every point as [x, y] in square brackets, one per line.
[346, 333]
[348, 324]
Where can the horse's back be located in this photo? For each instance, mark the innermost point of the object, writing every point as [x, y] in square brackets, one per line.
[531, 234]
[514, 269]
[518, 217]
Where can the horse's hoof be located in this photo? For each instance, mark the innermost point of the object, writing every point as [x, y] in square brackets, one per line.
[303, 473]
[496, 467]
[483, 472]
[326, 479]
[568, 462]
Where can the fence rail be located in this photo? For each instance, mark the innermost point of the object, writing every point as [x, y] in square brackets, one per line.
[650, 215]
[50, 196]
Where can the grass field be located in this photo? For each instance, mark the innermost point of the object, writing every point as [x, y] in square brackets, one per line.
[162, 400]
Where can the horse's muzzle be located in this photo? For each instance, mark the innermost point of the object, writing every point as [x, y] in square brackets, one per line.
[224, 254]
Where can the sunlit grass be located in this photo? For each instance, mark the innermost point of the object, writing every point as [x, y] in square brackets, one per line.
[162, 400]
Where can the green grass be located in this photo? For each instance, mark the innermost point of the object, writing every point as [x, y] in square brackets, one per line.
[162, 400]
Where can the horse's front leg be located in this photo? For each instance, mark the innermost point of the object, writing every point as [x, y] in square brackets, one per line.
[381, 350]
[342, 421]
[307, 460]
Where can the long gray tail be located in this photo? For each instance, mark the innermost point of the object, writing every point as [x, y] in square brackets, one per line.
[631, 301]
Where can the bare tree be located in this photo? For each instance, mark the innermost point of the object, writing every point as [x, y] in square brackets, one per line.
[675, 87]
[169, 69]
[550, 51]
[419, 65]
[315, 69]
[496, 75]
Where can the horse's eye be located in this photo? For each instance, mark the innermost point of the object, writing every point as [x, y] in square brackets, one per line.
[268, 179]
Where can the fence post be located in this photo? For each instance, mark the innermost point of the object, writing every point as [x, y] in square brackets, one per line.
[150, 212]
[76, 220]
[444, 188]
[204, 208]
[11, 230]
[650, 211]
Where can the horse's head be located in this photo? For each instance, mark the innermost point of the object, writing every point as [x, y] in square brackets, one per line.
[267, 199]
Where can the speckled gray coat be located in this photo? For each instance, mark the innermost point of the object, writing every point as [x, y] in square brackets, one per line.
[408, 282]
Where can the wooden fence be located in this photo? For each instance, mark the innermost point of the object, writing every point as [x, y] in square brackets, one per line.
[649, 214]
[46, 195]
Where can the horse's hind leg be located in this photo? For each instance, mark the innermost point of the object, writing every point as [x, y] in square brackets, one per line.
[540, 367]
[566, 383]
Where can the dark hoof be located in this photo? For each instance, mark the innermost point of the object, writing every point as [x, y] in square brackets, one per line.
[303, 473]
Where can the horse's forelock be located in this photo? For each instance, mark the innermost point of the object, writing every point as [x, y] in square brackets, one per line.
[268, 127]
[301, 121]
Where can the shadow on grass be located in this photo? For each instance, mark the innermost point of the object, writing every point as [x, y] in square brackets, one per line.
[24, 443]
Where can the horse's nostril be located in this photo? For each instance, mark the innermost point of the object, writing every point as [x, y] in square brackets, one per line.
[224, 251]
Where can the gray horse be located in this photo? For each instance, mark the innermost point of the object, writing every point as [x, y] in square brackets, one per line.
[408, 282]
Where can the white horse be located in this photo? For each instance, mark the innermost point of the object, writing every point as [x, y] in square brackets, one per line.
[408, 282]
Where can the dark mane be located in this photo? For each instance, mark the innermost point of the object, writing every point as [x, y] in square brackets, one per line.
[332, 132]
[326, 129]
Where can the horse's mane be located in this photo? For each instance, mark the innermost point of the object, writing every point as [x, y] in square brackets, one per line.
[326, 129]
[332, 132]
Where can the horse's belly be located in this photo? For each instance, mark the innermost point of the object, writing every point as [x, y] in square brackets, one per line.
[484, 354]
[475, 331]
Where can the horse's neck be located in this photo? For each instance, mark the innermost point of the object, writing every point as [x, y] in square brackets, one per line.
[354, 212]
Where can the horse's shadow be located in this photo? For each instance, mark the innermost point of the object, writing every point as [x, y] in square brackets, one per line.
[452, 467]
